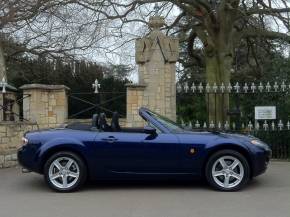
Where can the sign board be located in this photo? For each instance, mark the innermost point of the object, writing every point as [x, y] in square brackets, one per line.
[265, 112]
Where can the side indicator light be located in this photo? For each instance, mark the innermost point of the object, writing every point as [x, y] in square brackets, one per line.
[192, 151]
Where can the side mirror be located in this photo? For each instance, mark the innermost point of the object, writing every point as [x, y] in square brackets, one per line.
[149, 130]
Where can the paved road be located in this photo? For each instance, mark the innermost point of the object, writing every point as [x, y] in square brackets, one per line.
[26, 195]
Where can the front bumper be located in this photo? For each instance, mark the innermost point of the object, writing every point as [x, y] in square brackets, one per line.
[261, 162]
[20, 157]
[26, 158]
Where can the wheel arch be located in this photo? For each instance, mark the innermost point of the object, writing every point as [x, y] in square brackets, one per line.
[61, 148]
[229, 146]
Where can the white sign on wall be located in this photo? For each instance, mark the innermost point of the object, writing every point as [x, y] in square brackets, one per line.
[265, 112]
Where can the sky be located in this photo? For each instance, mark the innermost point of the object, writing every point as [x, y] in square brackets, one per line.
[109, 38]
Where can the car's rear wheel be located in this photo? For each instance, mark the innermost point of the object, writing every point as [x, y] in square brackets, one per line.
[65, 172]
[227, 170]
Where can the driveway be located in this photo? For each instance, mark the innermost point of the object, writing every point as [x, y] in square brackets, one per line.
[26, 195]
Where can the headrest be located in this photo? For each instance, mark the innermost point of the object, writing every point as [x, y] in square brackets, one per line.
[95, 121]
[115, 122]
[103, 122]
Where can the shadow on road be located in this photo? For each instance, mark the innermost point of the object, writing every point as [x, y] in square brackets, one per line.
[36, 183]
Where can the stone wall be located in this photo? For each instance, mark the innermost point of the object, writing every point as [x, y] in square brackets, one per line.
[135, 99]
[46, 104]
[10, 140]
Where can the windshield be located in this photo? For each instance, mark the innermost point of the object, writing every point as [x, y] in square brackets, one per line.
[169, 124]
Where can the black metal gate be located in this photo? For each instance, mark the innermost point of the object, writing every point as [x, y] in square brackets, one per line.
[83, 105]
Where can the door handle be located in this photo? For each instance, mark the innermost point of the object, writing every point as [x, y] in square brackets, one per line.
[110, 139]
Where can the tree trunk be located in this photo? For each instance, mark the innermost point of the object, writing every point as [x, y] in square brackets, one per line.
[218, 69]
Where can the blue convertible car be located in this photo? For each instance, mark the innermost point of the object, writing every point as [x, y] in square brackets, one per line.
[162, 150]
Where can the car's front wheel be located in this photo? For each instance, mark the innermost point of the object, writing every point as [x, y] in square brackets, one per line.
[65, 172]
[227, 170]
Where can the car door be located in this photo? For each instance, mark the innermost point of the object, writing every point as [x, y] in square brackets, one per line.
[119, 152]
[129, 153]
[161, 153]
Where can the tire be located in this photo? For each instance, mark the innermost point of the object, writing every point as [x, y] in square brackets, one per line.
[227, 170]
[65, 172]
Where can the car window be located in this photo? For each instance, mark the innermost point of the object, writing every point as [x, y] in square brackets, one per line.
[169, 124]
[158, 131]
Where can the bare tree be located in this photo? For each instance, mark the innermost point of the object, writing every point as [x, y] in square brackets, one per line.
[54, 28]
[61, 27]
[15, 14]
[218, 25]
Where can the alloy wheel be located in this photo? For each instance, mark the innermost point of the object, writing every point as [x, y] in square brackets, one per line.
[228, 172]
[64, 172]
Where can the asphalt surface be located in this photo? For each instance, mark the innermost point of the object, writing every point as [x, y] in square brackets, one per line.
[26, 195]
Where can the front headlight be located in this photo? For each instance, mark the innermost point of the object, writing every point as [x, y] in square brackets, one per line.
[256, 142]
[24, 141]
[259, 143]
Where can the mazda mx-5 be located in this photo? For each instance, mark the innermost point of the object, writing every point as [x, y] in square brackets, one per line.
[161, 150]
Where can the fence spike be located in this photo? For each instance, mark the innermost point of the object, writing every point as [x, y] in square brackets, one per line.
[237, 87]
[200, 87]
[193, 87]
[261, 87]
[215, 87]
[197, 125]
[227, 126]
[186, 87]
[207, 88]
[222, 87]
[250, 125]
[253, 87]
[280, 125]
[273, 125]
[243, 126]
[268, 86]
[257, 126]
[265, 125]
[276, 86]
[230, 87]
[246, 88]
[234, 126]
[283, 86]
[190, 125]
[182, 123]
[211, 125]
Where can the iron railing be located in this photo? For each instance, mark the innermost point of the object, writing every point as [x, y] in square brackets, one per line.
[7, 108]
[240, 116]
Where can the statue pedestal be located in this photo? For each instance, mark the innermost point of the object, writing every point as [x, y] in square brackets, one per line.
[156, 56]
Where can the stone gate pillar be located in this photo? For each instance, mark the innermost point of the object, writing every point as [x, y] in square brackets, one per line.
[156, 56]
[45, 104]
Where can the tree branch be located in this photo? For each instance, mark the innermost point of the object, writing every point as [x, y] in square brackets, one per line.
[262, 33]
[268, 11]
